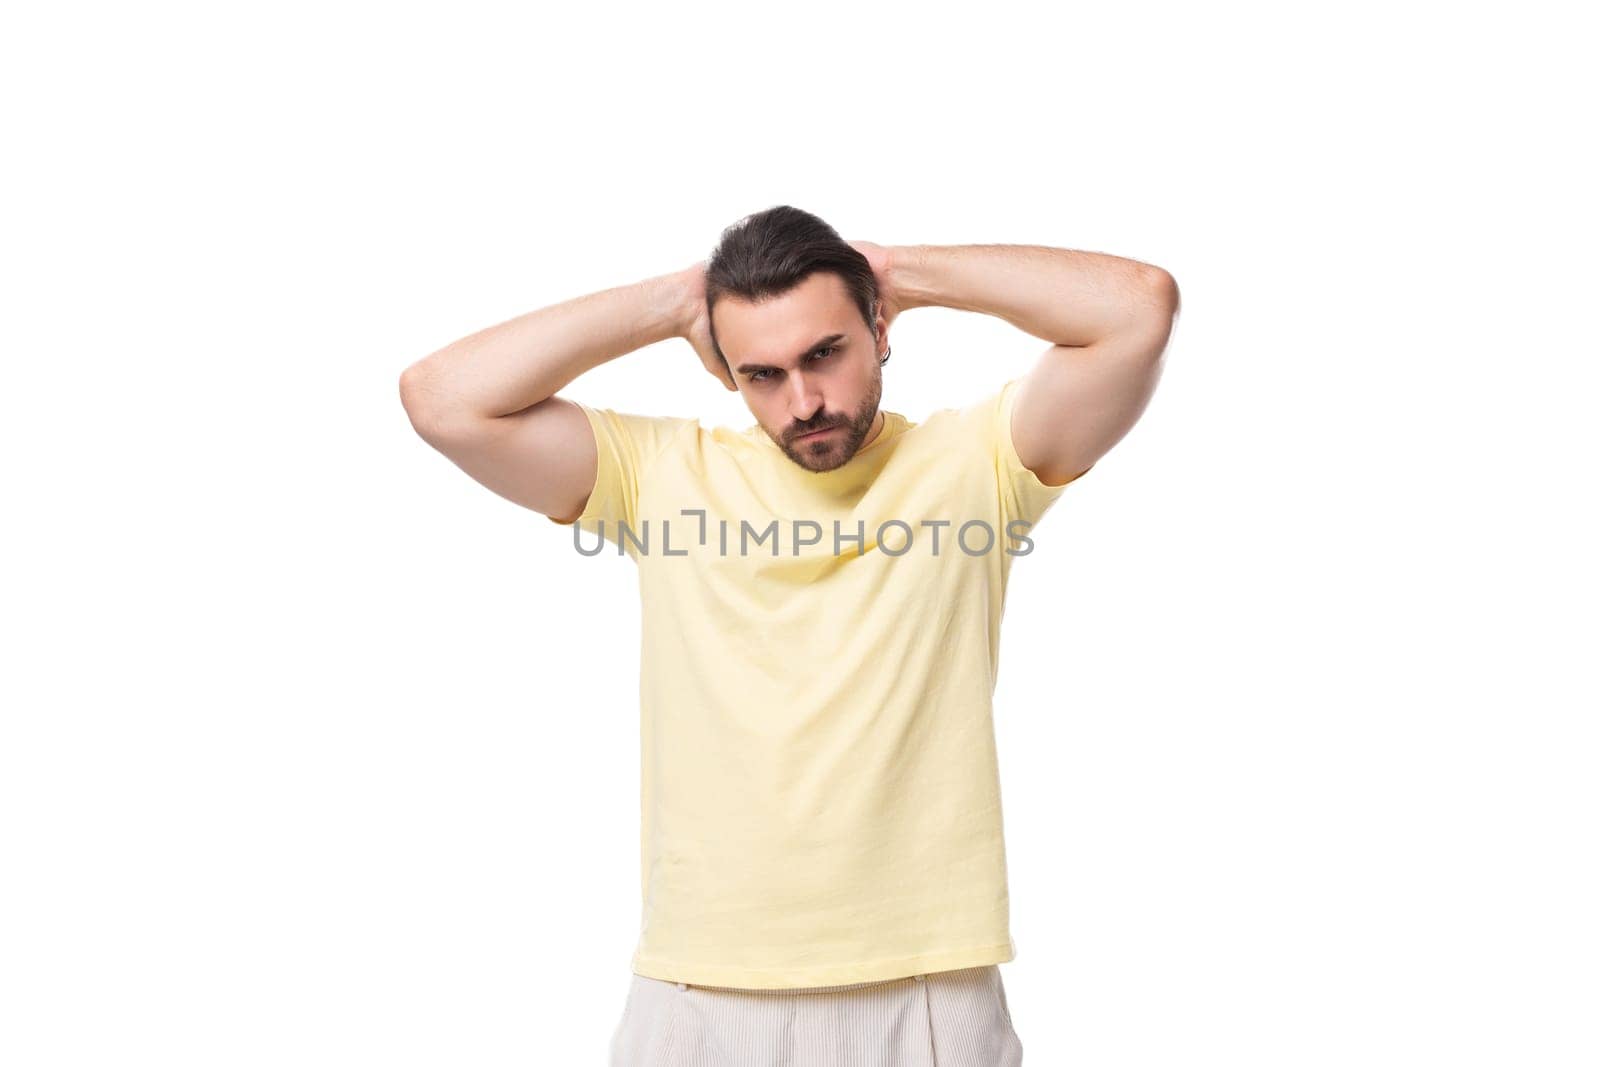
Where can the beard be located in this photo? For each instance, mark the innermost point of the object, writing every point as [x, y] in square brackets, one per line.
[838, 448]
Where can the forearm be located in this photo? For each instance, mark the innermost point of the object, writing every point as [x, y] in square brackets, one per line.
[518, 363]
[1056, 294]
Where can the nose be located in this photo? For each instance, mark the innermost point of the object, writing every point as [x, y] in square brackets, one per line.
[805, 399]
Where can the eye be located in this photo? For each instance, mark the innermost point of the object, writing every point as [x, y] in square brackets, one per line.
[821, 353]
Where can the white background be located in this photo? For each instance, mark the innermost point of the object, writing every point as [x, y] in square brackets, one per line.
[316, 752]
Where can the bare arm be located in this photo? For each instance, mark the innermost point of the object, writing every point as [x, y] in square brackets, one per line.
[489, 403]
[1108, 320]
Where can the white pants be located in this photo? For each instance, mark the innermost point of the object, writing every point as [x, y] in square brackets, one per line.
[944, 1019]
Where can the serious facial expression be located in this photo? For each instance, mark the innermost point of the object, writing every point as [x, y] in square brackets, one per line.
[807, 366]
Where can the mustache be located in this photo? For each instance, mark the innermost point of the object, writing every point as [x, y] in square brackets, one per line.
[801, 431]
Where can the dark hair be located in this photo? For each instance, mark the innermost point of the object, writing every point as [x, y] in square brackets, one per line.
[769, 253]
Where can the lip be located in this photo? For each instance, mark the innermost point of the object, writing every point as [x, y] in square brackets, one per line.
[816, 433]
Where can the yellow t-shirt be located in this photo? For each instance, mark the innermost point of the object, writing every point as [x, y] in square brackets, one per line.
[820, 798]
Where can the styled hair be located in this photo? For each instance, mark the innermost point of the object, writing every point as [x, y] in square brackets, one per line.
[769, 253]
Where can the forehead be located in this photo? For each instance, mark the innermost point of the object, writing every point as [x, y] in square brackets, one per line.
[779, 329]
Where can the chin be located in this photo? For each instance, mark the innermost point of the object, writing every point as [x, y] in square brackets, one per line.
[820, 464]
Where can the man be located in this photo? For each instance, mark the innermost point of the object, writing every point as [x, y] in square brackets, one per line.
[821, 597]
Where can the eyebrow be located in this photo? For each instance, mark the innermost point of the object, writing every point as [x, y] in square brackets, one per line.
[827, 342]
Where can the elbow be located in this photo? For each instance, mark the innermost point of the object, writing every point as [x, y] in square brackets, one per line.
[420, 399]
[1163, 288]
[412, 391]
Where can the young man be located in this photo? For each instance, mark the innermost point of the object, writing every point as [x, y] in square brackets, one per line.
[823, 862]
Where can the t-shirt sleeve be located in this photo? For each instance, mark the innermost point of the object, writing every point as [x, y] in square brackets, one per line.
[1022, 495]
[625, 447]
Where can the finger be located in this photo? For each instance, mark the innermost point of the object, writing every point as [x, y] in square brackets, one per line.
[714, 365]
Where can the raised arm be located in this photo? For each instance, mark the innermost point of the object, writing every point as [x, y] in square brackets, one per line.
[1108, 320]
[488, 401]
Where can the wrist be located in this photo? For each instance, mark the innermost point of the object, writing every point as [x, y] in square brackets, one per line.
[907, 273]
[685, 295]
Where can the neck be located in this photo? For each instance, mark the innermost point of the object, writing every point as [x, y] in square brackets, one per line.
[877, 428]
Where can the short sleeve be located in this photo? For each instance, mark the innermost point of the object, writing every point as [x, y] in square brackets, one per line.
[1022, 495]
[625, 448]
